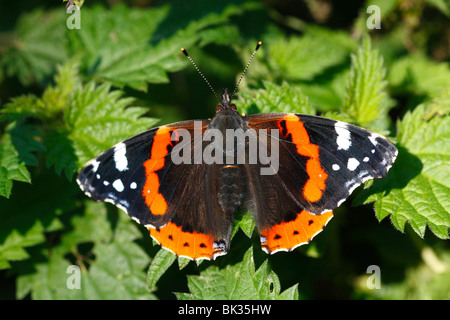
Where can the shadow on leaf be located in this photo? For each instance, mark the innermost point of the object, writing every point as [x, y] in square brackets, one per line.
[61, 153]
[406, 167]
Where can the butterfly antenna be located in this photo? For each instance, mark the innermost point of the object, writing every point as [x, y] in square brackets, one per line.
[246, 67]
[201, 74]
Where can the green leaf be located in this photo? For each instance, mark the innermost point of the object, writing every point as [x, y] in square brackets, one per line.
[143, 52]
[236, 282]
[60, 152]
[417, 187]
[21, 107]
[37, 47]
[113, 269]
[17, 147]
[275, 98]
[308, 56]
[417, 74]
[183, 262]
[440, 105]
[160, 263]
[366, 96]
[442, 5]
[30, 212]
[244, 222]
[5, 183]
[290, 293]
[328, 91]
[53, 100]
[55, 97]
[91, 226]
[118, 51]
[95, 119]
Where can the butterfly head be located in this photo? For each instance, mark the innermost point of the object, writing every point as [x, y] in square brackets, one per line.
[225, 104]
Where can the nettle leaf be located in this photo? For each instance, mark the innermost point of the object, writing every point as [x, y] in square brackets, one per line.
[60, 152]
[328, 91]
[160, 263]
[112, 269]
[118, 51]
[244, 222]
[91, 226]
[303, 58]
[275, 98]
[20, 107]
[134, 54]
[95, 119]
[17, 147]
[5, 183]
[419, 75]
[30, 212]
[417, 188]
[440, 105]
[37, 47]
[237, 282]
[53, 99]
[366, 95]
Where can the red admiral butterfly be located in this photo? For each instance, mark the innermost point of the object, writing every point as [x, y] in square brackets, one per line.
[189, 206]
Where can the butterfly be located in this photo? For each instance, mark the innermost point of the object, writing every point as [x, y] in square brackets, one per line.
[185, 181]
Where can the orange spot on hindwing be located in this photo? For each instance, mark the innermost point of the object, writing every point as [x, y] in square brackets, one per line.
[153, 198]
[193, 245]
[289, 235]
[315, 185]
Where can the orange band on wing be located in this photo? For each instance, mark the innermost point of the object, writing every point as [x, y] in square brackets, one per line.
[288, 235]
[193, 245]
[154, 200]
[313, 188]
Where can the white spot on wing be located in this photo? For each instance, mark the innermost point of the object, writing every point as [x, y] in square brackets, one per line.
[366, 159]
[373, 139]
[95, 165]
[118, 185]
[352, 164]
[336, 167]
[106, 183]
[343, 139]
[120, 157]
[133, 185]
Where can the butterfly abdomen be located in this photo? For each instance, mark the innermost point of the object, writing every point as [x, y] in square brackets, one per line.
[231, 189]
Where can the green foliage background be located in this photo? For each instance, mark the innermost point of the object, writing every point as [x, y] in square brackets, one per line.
[67, 95]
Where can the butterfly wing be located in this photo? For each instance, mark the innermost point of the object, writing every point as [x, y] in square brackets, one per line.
[139, 176]
[321, 161]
